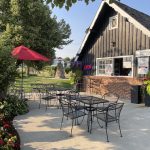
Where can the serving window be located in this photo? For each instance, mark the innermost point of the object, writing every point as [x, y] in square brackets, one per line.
[104, 66]
[115, 66]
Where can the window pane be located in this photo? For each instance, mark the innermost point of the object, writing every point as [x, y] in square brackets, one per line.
[105, 66]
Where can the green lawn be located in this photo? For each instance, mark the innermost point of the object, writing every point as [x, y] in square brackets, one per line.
[27, 81]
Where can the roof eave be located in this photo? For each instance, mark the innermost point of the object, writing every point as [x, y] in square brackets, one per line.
[91, 26]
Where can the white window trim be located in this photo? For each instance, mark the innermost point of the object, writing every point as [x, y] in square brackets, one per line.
[113, 65]
[110, 22]
[97, 74]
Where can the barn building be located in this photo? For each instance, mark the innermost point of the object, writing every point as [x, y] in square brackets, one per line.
[115, 52]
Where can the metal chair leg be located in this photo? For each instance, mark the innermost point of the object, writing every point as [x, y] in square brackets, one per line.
[40, 101]
[88, 122]
[40, 104]
[72, 127]
[106, 131]
[61, 122]
[46, 103]
[119, 128]
[76, 120]
[91, 120]
[99, 123]
[58, 99]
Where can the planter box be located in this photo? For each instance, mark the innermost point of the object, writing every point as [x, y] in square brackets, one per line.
[136, 97]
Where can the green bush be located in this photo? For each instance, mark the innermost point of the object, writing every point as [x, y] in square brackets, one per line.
[76, 75]
[67, 70]
[48, 71]
[13, 106]
[7, 70]
[148, 74]
[53, 71]
[147, 83]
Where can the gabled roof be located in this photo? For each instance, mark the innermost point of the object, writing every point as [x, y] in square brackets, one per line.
[142, 18]
[139, 19]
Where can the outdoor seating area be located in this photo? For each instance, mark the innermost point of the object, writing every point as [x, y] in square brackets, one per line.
[68, 114]
[75, 105]
[40, 129]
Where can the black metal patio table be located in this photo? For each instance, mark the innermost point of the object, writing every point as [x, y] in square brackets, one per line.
[89, 102]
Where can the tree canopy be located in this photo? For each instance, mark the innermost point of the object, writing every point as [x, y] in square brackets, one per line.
[66, 3]
[30, 23]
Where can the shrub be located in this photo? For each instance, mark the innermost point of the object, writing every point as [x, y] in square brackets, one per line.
[76, 75]
[13, 106]
[52, 71]
[67, 70]
[48, 71]
[7, 70]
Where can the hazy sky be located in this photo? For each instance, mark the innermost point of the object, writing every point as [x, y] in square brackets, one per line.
[80, 16]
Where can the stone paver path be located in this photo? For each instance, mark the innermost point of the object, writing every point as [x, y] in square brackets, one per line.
[40, 130]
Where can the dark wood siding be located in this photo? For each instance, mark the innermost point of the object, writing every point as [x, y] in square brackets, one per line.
[131, 39]
[127, 39]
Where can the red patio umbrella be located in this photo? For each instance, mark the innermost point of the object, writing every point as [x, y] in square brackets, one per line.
[24, 53]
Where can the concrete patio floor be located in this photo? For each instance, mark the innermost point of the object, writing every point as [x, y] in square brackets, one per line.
[40, 130]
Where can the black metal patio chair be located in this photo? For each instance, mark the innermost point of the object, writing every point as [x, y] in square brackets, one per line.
[36, 90]
[49, 94]
[110, 97]
[71, 111]
[111, 113]
[74, 96]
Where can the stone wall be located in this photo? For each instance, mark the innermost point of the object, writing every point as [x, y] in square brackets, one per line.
[102, 84]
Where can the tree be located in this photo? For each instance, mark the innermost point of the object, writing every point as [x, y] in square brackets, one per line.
[68, 3]
[30, 23]
[65, 3]
[7, 70]
[66, 61]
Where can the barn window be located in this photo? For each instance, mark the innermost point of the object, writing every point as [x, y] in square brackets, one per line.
[113, 22]
[104, 66]
[115, 66]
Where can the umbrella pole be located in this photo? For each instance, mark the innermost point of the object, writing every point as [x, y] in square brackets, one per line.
[22, 82]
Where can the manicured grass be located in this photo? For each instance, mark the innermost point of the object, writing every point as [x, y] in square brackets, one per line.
[27, 81]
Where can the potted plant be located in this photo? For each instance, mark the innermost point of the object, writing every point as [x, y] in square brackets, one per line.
[147, 90]
[76, 77]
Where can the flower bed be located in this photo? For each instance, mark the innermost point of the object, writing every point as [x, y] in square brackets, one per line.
[10, 107]
[9, 138]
